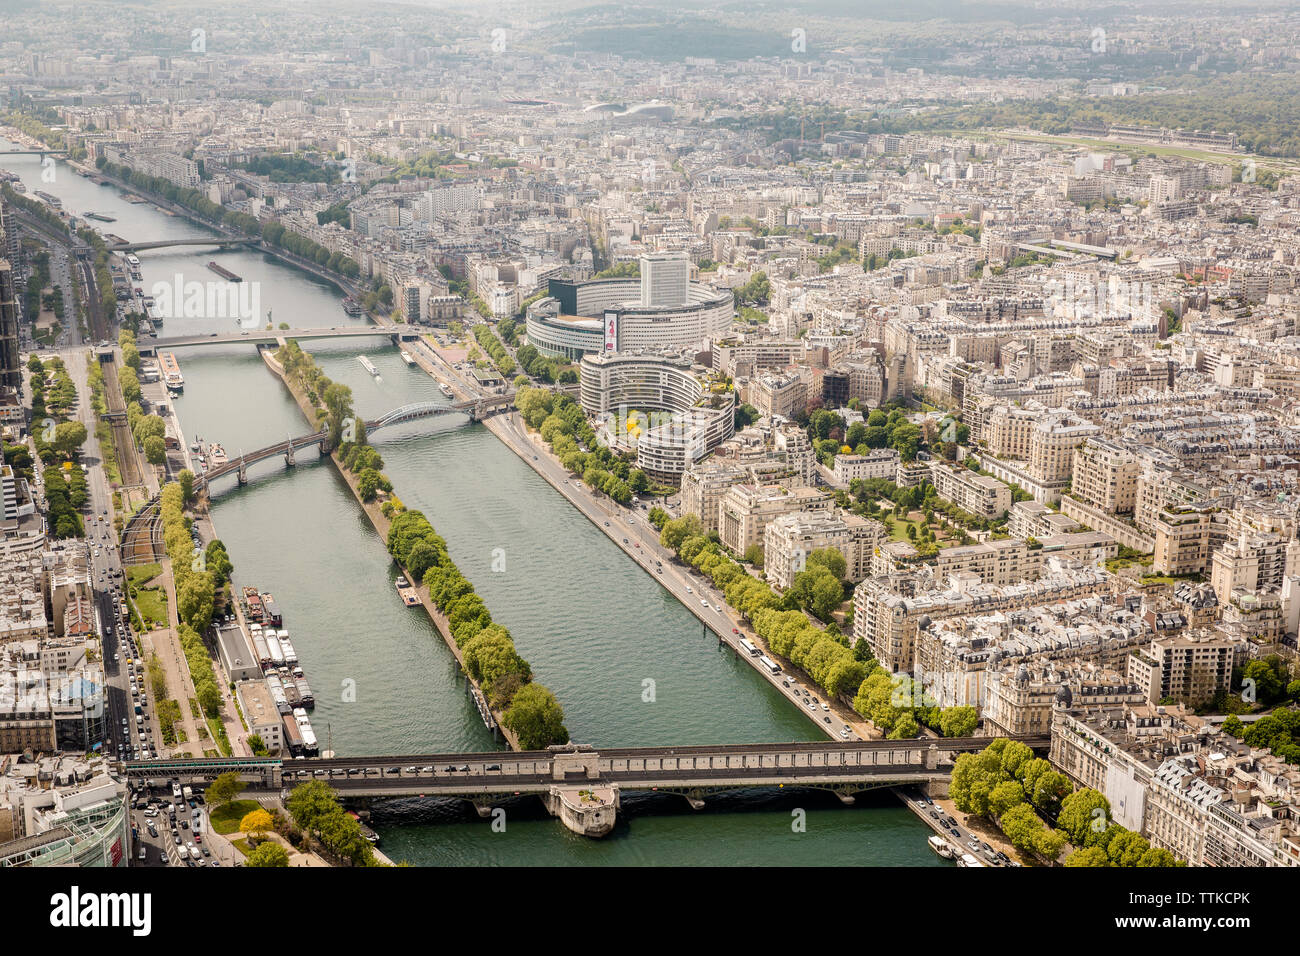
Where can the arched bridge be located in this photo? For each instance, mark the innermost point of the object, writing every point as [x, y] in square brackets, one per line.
[142, 536]
[168, 243]
[581, 785]
[399, 333]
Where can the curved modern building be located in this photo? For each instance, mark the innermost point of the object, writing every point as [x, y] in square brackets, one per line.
[659, 403]
[662, 309]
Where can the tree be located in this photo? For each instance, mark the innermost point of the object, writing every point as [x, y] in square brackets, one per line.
[155, 450]
[310, 802]
[536, 718]
[1085, 814]
[225, 788]
[186, 481]
[69, 437]
[256, 824]
[269, 854]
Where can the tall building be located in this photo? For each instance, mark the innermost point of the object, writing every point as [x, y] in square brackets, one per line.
[10, 369]
[665, 279]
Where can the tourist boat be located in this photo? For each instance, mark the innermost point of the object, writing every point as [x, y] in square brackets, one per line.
[368, 365]
[446, 389]
[219, 456]
[942, 847]
[171, 372]
[407, 357]
[351, 306]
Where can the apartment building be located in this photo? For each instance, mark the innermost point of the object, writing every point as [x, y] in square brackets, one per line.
[1189, 667]
[1105, 476]
[980, 495]
[789, 539]
[744, 511]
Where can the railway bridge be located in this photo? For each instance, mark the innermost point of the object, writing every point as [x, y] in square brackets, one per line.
[581, 785]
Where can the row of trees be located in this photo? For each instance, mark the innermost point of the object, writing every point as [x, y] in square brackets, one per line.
[1005, 782]
[333, 402]
[272, 231]
[888, 701]
[496, 349]
[197, 576]
[531, 710]
[565, 429]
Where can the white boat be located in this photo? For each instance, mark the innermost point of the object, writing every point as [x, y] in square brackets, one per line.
[446, 389]
[942, 847]
[368, 365]
[407, 357]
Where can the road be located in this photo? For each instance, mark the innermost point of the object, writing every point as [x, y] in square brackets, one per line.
[943, 821]
[106, 578]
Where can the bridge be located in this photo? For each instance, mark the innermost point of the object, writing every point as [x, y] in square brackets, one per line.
[400, 333]
[582, 786]
[33, 152]
[142, 536]
[168, 243]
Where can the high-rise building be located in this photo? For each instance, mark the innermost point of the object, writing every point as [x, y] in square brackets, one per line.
[665, 278]
[10, 369]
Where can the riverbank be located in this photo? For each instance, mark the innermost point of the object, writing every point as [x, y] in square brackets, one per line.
[176, 209]
[382, 524]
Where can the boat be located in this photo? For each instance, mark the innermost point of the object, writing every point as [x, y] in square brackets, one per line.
[410, 596]
[407, 357]
[218, 455]
[942, 847]
[446, 389]
[351, 306]
[225, 273]
[368, 365]
[100, 217]
[171, 372]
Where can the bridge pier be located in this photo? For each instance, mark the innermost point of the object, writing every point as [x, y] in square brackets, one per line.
[242, 475]
[846, 796]
[587, 811]
[289, 459]
[695, 799]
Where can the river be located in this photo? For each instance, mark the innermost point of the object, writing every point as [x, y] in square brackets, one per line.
[594, 626]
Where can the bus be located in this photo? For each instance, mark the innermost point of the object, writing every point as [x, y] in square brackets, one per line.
[749, 647]
[770, 664]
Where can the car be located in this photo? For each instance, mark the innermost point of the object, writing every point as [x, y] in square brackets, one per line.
[688, 589]
[955, 832]
[716, 607]
[844, 734]
[198, 837]
[704, 602]
[177, 837]
[426, 770]
[392, 770]
[974, 845]
[463, 768]
[215, 863]
[934, 814]
[206, 851]
[153, 830]
[606, 524]
[985, 847]
[450, 769]
[493, 766]
[625, 540]
[411, 770]
[661, 571]
[827, 719]
[185, 824]
[825, 706]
